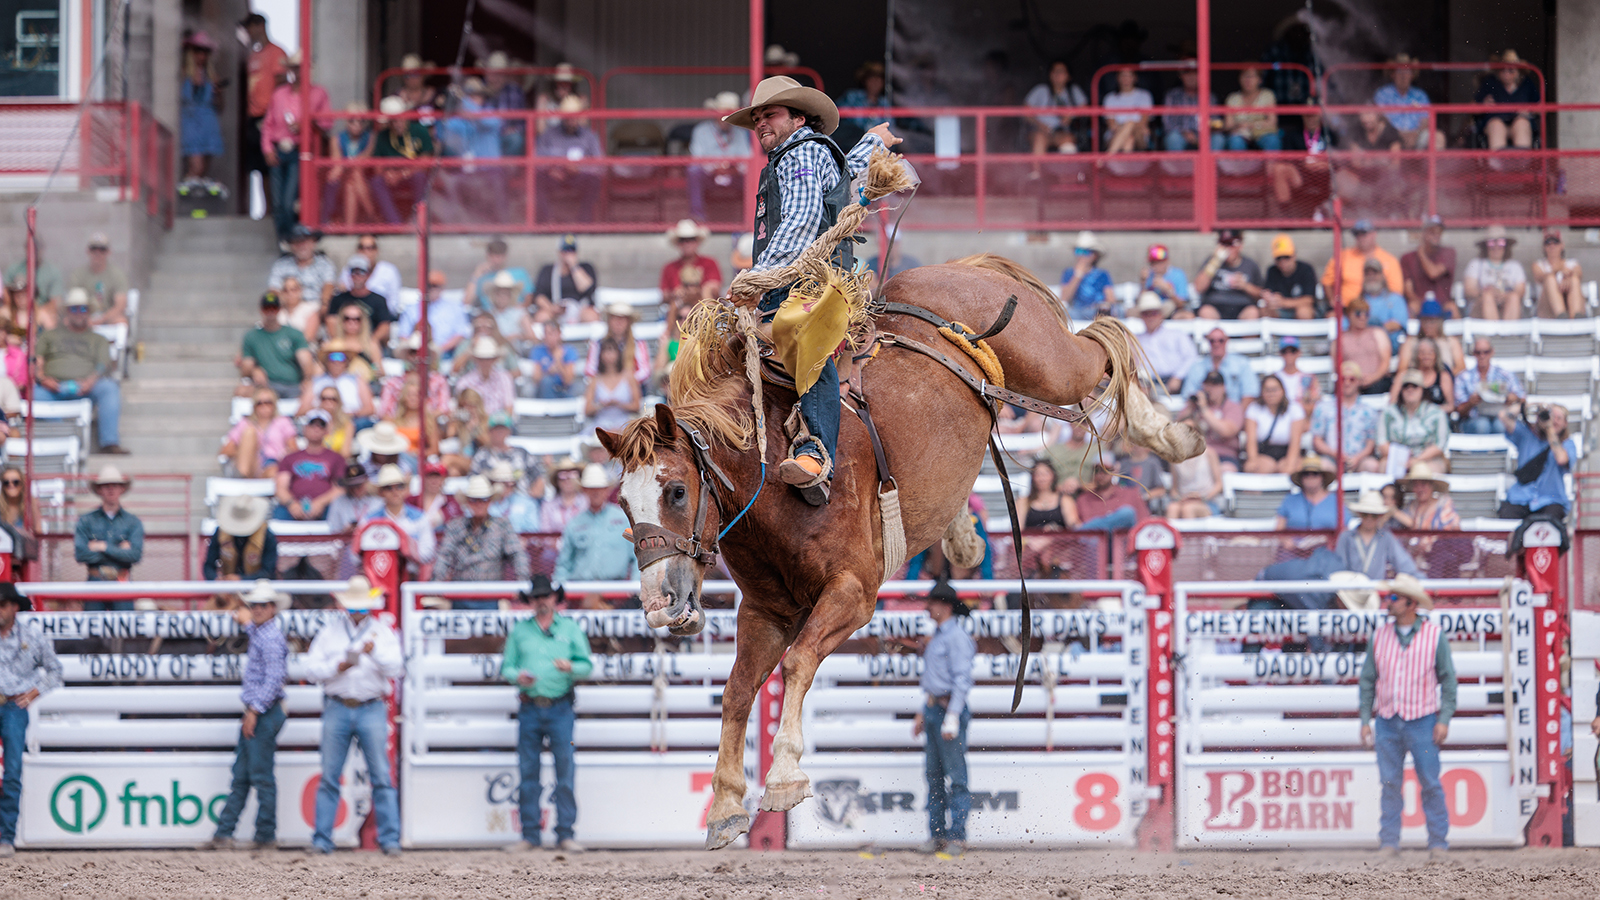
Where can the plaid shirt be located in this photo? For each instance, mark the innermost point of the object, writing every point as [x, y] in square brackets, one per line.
[805, 176]
[27, 661]
[479, 552]
[266, 666]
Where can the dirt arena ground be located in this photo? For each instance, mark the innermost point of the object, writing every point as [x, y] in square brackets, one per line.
[675, 875]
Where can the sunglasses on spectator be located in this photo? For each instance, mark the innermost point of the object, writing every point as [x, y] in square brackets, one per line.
[1216, 340]
[1551, 239]
[1350, 379]
[338, 357]
[1484, 352]
[334, 398]
[366, 246]
[12, 482]
[266, 403]
[393, 487]
[1497, 242]
[355, 318]
[1082, 251]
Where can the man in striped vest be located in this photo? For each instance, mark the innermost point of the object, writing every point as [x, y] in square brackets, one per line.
[1409, 679]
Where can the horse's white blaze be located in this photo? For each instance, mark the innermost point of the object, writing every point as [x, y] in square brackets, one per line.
[641, 491]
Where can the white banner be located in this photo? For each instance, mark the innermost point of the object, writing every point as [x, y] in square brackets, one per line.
[170, 799]
[1334, 800]
[639, 800]
[1025, 800]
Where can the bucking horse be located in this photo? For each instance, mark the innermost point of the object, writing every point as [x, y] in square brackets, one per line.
[810, 574]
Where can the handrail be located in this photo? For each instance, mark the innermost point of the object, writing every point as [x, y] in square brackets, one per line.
[453, 71]
[1179, 65]
[769, 71]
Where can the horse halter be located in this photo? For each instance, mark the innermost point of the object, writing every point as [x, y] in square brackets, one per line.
[653, 542]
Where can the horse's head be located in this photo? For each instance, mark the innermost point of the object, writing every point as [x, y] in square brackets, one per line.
[669, 495]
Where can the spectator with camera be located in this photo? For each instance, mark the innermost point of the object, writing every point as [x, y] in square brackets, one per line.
[1545, 453]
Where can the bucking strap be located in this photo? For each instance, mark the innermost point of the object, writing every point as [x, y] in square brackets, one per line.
[980, 387]
[917, 312]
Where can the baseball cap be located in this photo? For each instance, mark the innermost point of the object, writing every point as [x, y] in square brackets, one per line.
[1282, 245]
[1289, 342]
[358, 263]
[1213, 377]
[316, 415]
[1373, 264]
[304, 232]
[1430, 221]
[1229, 236]
[500, 420]
[270, 300]
[436, 278]
[434, 468]
[569, 242]
[1432, 309]
[99, 241]
[354, 473]
[1158, 253]
[1362, 226]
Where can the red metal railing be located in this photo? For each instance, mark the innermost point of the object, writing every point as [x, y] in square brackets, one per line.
[987, 182]
[736, 72]
[96, 144]
[380, 85]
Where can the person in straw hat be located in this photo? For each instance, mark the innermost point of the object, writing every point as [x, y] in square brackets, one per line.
[692, 276]
[1430, 508]
[1369, 548]
[1508, 85]
[28, 668]
[1170, 352]
[1494, 283]
[355, 658]
[487, 377]
[243, 548]
[1408, 685]
[716, 139]
[593, 546]
[265, 671]
[394, 486]
[804, 186]
[577, 185]
[636, 356]
[109, 540]
[1314, 508]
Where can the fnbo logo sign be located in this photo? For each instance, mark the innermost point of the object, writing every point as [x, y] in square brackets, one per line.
[78, 804]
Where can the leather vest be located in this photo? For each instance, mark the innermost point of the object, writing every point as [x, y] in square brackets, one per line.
[769, 204]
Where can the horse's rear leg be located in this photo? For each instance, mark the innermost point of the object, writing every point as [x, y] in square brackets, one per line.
[760, 643]
[844, 606]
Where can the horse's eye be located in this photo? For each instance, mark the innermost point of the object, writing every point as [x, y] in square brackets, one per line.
[678, 493]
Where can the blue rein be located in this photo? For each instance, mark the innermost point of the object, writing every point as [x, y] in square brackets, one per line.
[759, 485]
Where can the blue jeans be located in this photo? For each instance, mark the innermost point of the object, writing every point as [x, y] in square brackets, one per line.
[1272, 140]
[1120, 519]
[252, 768]
[369, 725]
[1175, 142]
[1394, 738]
[946, 760]
[14, 740]
[284, 183]
[552, 388]
[535, 726]
[1482, 425]
[106, 396]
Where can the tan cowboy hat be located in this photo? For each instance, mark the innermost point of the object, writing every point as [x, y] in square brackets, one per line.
[391, 474]
[242, 516]
[688, 229]
[484, 347]
[1311, 463]
[497, 60]
[1088, 241]
[1421, 471]
[1150, 301]
[572, 103]
[261, 593]
[565, 72]
[724, 101]
[1358, 599]
[621, 310]
[1370, 503]
[504, 279]
[781, 90]
[1497, 233]
[359, 595]
[502, 473]
[1407, 586]
[111, 475]
[478, 488]
[594, 476]
[567, 463]
[383, 439]
[392, 106]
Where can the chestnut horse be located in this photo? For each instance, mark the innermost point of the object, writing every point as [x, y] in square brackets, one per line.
[810, 575]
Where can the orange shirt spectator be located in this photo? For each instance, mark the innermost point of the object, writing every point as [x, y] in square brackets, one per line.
[266, 61]
[1353, 261]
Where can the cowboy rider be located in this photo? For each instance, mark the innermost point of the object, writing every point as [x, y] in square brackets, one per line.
[804, 185]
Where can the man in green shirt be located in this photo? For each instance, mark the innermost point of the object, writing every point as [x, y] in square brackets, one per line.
[106, 285]
[397, 138]
[544, 657]
[274, 355]
[72, 362]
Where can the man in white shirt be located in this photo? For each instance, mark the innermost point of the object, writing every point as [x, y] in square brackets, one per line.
[355, 659]
[384, 278]
[1171, 352]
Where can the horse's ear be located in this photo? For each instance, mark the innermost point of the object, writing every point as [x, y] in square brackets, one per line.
[666, 424]
[608, 440]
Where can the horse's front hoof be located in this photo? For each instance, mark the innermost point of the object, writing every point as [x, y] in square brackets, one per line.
[721, 834]
[784, 797]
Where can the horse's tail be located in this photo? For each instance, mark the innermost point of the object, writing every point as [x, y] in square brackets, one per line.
[1128, 407]
[1016, 272]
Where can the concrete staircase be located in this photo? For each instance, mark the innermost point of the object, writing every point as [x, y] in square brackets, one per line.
[202, 297]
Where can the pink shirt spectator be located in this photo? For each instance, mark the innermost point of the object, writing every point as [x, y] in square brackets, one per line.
[17, 364]
[438, 395]
[497, 391]
[275, 443]
[282, 122]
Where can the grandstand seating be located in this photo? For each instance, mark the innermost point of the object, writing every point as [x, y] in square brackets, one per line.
[59, 418]
[62, 455]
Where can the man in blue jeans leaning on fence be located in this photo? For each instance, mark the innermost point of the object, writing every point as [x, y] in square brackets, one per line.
[544, 657]
[355, 658]
[28, 668]
[1409, 682]
[265, 670]
[946, 684]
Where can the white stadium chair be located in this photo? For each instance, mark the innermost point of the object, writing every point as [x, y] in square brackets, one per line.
[1567, 337]
[540, 418]
[62, 455]
[1513, 337]
[1252, 496]
[218, 488]
[57, 418]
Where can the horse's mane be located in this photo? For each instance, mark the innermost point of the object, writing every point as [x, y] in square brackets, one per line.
[708, 390]
[1016, 272]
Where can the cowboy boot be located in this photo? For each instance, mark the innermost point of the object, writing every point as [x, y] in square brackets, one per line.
[808, 471]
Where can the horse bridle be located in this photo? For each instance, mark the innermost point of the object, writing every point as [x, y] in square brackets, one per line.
[654, 542]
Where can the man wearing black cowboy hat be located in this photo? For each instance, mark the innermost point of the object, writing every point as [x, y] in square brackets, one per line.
[946, 682]
[804, 186]
[544, 657]
[28, 668]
